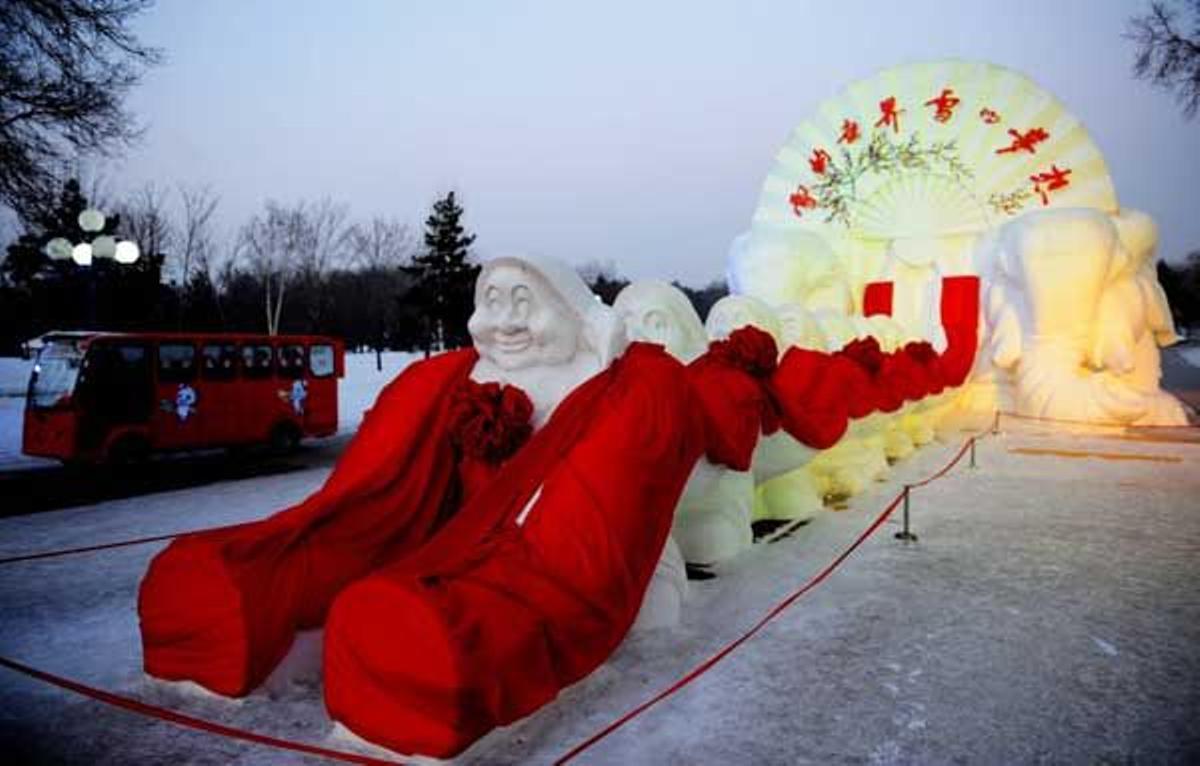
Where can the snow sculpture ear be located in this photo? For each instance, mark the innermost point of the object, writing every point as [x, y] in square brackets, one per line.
[1158, 310]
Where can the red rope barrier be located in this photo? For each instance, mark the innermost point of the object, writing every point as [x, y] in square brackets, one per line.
[165, 714]
[779, 608]
[946, 469]
[720, 655]
[107, 546]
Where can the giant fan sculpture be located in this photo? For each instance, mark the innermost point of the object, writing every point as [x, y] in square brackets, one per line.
[926, 174]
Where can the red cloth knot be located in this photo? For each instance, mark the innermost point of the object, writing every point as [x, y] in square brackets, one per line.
[750, 349]
[490, 422]
[864, 352]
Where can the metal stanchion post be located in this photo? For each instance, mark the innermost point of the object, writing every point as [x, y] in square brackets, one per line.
[996, 424]
[972, 463]
[906, 535]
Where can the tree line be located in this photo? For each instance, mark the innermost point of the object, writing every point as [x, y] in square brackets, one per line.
[303, 267]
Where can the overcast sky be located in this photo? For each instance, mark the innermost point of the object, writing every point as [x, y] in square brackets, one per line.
[633, 132]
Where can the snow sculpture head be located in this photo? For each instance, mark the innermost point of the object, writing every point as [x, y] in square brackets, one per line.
[789, 266]
[734, 311]
[798, 327]
[1058, 261]
[659, 312]
[538, 312]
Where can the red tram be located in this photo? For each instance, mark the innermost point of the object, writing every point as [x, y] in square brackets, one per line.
[116, 397]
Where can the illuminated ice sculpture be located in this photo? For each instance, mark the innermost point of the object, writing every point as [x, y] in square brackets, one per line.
[917, 180]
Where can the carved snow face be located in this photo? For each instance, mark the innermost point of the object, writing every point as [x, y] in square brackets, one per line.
[520, 322]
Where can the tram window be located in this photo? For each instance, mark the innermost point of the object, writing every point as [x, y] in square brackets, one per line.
[320, 361]
[256, 361]
[220, 361]
[115, 384]
[176, 363]
[291, 361]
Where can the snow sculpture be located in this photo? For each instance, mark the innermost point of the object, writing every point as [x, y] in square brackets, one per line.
[1137, 298]
[537, 326]
[508, 534]
[907, 180]
[658, 312]
[1072, 322]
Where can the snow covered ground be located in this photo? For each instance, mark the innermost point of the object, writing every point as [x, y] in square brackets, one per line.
[1190, 352]
[1047, 614]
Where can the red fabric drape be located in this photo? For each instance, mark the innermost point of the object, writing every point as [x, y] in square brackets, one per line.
[877, 298]
[221, 608]
[443, 617]
[960, 320]
[814, 393]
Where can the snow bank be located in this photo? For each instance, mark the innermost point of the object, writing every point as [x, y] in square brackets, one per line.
[14, 375]
[1048, 613]
[1190, 354]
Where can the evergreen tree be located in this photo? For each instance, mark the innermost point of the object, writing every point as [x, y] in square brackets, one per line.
[445, 278]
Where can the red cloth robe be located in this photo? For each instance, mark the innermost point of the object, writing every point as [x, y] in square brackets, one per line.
[445, 618]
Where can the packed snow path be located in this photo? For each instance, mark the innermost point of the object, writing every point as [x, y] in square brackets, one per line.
[1049, 612]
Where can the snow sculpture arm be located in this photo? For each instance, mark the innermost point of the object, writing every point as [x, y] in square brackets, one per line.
[1006, 329]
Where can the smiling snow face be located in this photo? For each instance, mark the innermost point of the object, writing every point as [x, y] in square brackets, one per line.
[520, 322]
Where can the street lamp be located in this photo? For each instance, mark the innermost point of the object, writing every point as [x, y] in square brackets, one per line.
[92, 221]
[95, 245]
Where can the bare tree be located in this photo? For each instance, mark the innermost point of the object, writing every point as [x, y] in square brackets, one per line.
[285, 245]
[379, 248]
[324, 237]
[65, 67]
[145, 220]
[196, 243]
[382, 243]
[1168, 56]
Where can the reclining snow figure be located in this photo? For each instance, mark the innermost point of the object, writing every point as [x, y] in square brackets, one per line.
[1076, 318]
[490, 532]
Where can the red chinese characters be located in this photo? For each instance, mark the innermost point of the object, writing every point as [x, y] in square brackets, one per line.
[944, 105]
[802, 200]
[819, 160]
[850, 132]
[889, 114]
[1049, 181]
[989, 116]
[1024, 142]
